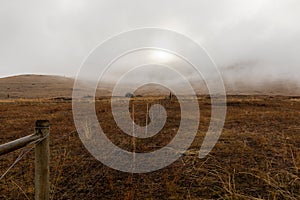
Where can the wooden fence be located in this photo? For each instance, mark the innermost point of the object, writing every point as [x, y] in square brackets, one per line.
[41, 140]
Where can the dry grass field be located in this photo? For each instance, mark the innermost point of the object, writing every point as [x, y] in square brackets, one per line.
[257, 156]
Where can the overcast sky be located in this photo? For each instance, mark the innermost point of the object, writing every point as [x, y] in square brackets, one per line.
[244, 37]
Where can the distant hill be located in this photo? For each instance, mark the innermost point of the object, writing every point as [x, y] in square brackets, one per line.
[38, 86]
[283, 87]
[45, 86]
[35, 86]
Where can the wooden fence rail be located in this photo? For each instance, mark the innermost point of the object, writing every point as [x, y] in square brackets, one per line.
[41, 137]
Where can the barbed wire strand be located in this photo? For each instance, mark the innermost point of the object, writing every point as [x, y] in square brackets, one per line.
[23, 153]
[26, 151]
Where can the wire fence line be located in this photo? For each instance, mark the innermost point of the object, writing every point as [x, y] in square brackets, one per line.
[25, 151]
[32, 145]
[28, 148]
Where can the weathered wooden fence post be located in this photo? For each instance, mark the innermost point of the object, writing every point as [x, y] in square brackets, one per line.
[42, 184]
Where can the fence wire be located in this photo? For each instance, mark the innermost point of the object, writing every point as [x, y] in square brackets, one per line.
[25, 151]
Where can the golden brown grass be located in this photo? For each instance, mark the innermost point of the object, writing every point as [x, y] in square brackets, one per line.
[257, 156]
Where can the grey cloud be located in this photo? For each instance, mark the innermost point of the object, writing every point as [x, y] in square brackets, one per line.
[247, 39]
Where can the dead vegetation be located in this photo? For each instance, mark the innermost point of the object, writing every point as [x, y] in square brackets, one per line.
[257, 156]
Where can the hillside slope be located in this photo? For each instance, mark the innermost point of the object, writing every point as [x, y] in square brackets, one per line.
[35, 86]
[45, 86]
